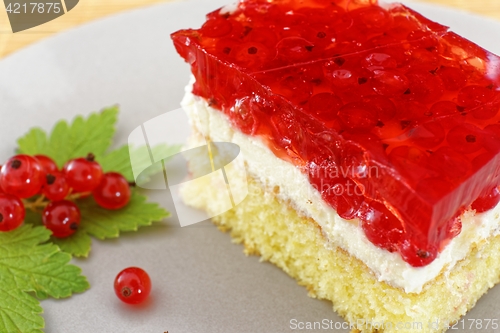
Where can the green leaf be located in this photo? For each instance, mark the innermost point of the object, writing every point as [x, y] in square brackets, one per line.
[29, 266]
[34, 142]
[118, 161]
[103, 223]
[19, 312]
[31, 260]
[78, 244]
[93, 134]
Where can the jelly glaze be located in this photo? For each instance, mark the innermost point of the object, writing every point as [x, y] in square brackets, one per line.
[393, 117]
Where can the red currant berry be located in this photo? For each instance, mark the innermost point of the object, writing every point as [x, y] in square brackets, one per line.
[83, 174]
[294, 48]
[357, 116]
[11, 212]
[252, 54]
[409, 161]
[62, 218]
[381, 227]
[379, 61]
[418, 256]
[21, 176]
[113, 192]
[383, 106]
[452, 228]
[465, 139]
[487, 202]
[56, 187]
[344, 195]
[491, 136]
[449, 164]
[428, 134]
[324, 106]
[132, 285]
[443, 109]
[48, 164]
[216, 28]
[474, 96]
[453, 78]
[389, 83]
[296, 88]
[424, 87]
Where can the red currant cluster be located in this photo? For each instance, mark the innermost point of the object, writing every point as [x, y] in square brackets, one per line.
[36, 183]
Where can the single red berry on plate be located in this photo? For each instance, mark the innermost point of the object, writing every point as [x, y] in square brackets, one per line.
[48, 164]
[22, 176]
[62, 218]
[83, 174]
[132, 285]
[11, 212]
[113, 192]
[56, 187]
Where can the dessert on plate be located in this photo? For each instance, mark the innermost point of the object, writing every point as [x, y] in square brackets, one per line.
[370, 137]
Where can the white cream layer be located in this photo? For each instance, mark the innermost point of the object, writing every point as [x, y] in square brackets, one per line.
[296, 188]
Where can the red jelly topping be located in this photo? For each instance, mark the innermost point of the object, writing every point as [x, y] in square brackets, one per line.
[393, 118]
[487, 201]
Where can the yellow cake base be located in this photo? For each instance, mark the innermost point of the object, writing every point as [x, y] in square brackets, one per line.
[276, 232]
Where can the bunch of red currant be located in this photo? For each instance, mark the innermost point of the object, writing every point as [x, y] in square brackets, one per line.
[36, 183]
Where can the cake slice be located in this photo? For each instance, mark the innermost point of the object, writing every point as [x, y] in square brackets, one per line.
[370, 138]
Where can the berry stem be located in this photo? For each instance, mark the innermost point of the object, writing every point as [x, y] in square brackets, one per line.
[76, 196]
[34, 206]
[90, 157]
[41, 202]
